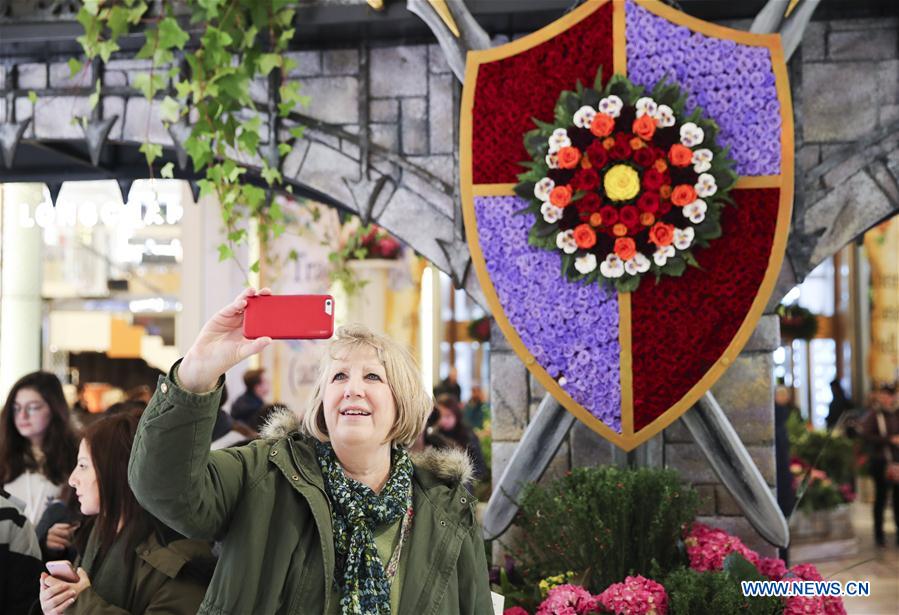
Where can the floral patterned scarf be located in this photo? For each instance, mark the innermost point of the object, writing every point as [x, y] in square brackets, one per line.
[355, 513]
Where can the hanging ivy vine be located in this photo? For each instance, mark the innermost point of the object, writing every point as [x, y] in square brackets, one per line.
[231, 43]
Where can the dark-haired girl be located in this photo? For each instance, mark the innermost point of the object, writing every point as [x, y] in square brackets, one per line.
[129, 563]
[37, 444]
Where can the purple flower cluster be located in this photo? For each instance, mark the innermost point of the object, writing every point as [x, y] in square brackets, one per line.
[733, 83]
[571, 329]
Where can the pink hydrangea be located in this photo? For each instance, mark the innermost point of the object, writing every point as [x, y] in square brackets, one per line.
[515, 610]
[635, 596]
[820, 605]
[568, 600]
[772, 567]
[707, 547]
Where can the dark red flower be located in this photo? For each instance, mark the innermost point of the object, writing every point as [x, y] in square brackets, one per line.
[648, 202]
[664, 207]
[585, 179]
[620, 151]
[597, 154]
[589, 204]
[652, 179]
[609, 215]
[645, 156]
[629, 216]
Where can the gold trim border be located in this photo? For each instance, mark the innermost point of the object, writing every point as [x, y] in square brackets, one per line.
[619, 38]
[626, 364]
[783, 181]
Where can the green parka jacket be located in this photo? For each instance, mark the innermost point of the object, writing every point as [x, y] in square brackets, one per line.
[266, 502]
[161, 584]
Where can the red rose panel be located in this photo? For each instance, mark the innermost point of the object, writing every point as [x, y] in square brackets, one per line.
[681, 326]
[511, 91]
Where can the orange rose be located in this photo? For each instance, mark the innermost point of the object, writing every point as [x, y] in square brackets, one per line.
[608, 143]
[619, 230]
[584, 236]
[568, 157]
[637, 143]
[625, 248]
[560, 196]
[660, 165]
[646, 219]
[662, 234]
[683, 194]
[665, 191]
[602, 125]
[596, 219]
[644, 127]
[680, 155]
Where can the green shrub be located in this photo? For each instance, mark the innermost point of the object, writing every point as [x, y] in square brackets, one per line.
[604, 524]
[831, 453]
[715, 593]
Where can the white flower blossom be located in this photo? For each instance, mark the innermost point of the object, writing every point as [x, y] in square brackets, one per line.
[646, 106]
[695, 211]
[664, 116]
[543, 187]
[691, 135]
[552, 161]
[662, 255]
[705, 185]
[702, 160]
[611, 106]
[683, 237]
[586, 263]
[558, 140]
[638, 264]
[612, 267]
[551, 213]
[584, 116]
[565, 242]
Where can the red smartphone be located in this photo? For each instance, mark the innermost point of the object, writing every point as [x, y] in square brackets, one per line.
[289, 317]
[63, 570]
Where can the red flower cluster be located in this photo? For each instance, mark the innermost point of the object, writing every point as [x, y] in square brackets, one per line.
[512, 91]
[687, 325]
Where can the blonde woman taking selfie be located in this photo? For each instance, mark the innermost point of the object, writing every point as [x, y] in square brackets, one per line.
[325, 514]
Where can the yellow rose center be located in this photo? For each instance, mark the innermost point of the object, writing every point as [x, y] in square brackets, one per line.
[621, 183]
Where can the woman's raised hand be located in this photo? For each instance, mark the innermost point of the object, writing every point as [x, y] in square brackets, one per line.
[220, 346]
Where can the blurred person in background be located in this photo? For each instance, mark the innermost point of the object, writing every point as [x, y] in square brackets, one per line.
[880, 430]
[20, 559]
[476, 410]
[129, 562]
[449, 386]
[452, 427]
[37, 443]
[246, 407]
[226, 431]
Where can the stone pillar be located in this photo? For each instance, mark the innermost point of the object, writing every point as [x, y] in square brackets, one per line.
[20, 289]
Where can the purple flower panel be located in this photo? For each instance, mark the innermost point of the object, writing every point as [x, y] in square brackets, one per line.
[733, 83]
[571, 329]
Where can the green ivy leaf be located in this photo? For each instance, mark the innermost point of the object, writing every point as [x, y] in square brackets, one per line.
[32, 96]
[167, 171]
[225, 252]
[169, 110]
[268, 61]
[94, 98]
[255, 267]
[75, 66]
[171, 34]
[271, 175]
[151, 151]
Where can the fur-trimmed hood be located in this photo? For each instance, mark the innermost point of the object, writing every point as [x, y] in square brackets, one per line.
[451, 465]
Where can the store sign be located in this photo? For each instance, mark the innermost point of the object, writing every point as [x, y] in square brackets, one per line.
[881, 247]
